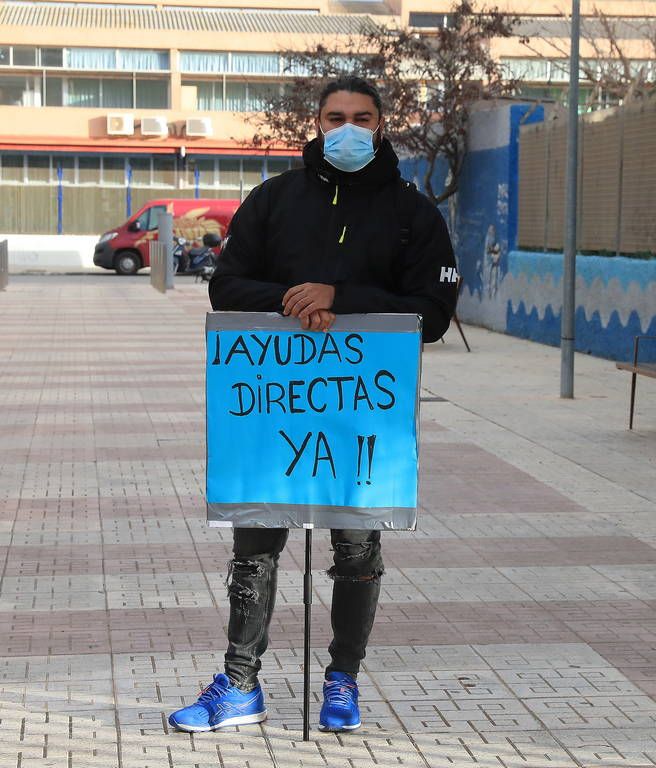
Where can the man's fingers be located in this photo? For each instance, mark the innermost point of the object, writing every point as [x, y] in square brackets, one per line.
[292, 291]
[300, 306]
[309, 310]
[296, 304]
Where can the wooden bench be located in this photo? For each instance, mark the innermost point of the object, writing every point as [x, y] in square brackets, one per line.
[636, 368]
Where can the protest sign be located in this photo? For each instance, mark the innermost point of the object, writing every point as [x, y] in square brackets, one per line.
[312, 429]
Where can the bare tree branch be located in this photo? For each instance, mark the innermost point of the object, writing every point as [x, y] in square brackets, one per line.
[428, 84]
[613, 75]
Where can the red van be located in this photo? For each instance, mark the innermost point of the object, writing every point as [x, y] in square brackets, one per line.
[125, 248]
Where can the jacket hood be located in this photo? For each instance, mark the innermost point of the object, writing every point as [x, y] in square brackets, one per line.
[381, 170]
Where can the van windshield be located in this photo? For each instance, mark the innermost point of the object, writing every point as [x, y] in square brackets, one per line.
[150, 217]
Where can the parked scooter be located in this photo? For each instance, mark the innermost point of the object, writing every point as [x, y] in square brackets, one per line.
[200, 261]
[180, 257]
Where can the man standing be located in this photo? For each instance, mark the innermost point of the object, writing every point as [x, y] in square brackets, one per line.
[342, 235]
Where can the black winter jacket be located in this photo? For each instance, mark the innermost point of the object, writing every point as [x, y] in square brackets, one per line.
[321, 225]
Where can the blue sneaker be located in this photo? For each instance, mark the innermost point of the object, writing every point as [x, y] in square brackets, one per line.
[340, 711]
[221, 704]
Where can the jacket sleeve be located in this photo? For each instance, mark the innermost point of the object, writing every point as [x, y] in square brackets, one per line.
[233, 285]
[427, 278]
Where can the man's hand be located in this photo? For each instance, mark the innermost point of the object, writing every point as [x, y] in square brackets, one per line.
[303, 300]
[319, 320]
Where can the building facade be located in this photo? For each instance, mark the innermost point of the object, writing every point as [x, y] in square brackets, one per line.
[105, 105]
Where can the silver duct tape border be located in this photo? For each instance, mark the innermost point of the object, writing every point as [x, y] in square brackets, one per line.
[273, 321]
[308, 516]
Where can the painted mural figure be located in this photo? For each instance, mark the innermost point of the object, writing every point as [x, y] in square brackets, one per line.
[491, 262]
[312, 243]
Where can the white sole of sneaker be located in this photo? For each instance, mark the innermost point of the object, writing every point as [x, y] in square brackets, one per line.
[326, 729]
[258, 717]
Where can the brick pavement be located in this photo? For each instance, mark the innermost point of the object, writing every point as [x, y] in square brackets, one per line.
[517, 626]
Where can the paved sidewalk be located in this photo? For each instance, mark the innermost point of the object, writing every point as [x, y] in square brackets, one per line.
[517, 626]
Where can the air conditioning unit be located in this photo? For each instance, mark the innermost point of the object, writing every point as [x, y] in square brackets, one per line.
[198, 126]
[154, 126]
[120, 125]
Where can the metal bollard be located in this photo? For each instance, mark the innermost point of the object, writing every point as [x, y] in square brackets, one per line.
[165, 237]
[4, 265]
[161, 255]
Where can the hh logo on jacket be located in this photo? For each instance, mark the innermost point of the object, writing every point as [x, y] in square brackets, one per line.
[448, 275]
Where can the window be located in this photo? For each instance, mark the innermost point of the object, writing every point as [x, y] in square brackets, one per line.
[240, 96]
[528, 69]
[90, 92]
[31, 56]
[38, 169]
[13, 167]
[259, 94]
[113, 171]
[24, 56]
[224, 62]
[430, 20]
[83, 92]
[140, 171]
[164, 170]
[126, 59]
[20, 90]
[88, 170]
[201, 168]
[255, 63]
[135, 60]
[203, 61]
[229, 173]
[152, 94]
[252, 171]
[149, 219]
[54, 91]
[209, 94]
[235, 97]
[116, 93]
[52, 57]
[90, 58]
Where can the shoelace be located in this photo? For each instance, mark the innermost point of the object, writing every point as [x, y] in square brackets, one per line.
[212, 691]
[340, 694]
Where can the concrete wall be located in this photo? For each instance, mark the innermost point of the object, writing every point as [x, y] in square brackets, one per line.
[51, 253]
[487, 205]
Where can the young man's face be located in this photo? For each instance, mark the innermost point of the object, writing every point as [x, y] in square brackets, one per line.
[346, 107]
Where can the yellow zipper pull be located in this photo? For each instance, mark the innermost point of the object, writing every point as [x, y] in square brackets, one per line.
[336, 194]
[341, 239]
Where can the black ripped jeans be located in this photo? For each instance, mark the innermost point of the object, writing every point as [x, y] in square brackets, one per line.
[252, 581]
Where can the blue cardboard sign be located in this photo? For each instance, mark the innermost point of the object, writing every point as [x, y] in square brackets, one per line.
[312, 428]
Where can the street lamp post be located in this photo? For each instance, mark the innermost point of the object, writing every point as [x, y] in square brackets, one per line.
[569, 256]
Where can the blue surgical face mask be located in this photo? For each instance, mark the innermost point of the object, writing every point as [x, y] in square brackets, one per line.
[349, 147]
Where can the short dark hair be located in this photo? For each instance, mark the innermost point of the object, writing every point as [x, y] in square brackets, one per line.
[352, 84]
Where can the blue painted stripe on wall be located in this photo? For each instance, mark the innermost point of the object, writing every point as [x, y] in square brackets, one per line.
[614, 341]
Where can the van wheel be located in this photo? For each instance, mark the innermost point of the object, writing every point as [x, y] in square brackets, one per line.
[127, 263]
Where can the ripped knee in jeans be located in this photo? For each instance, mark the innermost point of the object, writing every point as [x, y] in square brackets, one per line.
[353, 551]
[374, 575]
[240, 573]
[355, 561]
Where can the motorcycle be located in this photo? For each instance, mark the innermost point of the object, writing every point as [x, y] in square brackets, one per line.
[200, 261]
